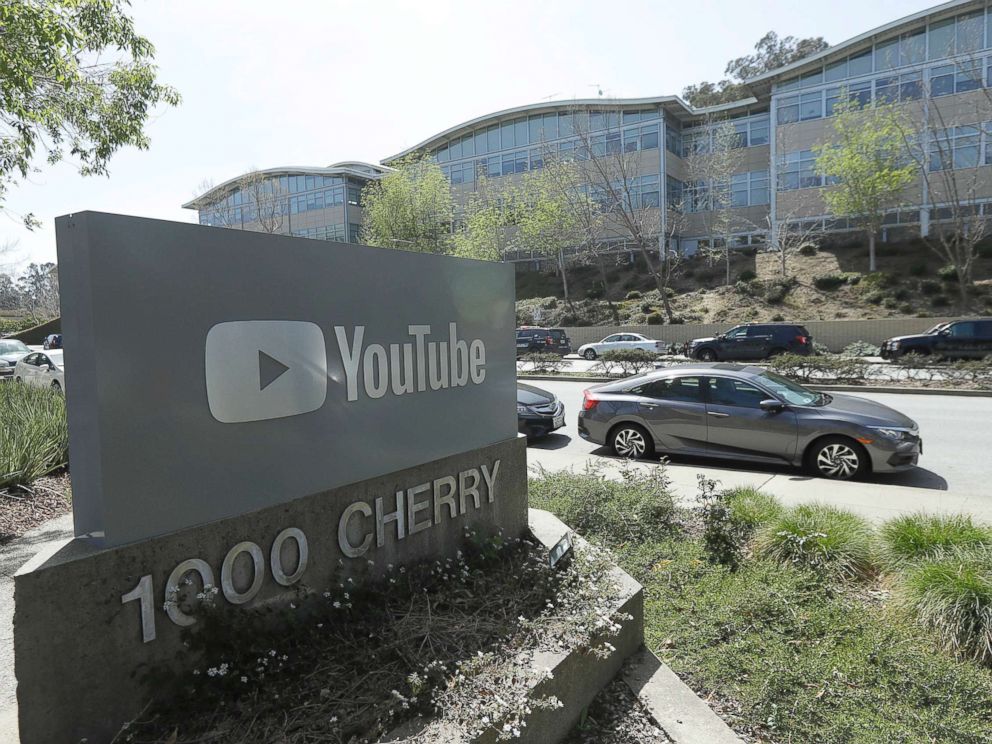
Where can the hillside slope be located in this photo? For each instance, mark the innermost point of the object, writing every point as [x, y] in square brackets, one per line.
[831, 284]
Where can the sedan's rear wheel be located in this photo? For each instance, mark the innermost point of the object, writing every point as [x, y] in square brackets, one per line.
[56, 387]
[706, 355]
[589, 354]
[631, 441]
[839, 458]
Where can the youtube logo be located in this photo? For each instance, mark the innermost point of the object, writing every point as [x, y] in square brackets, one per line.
[264, 369]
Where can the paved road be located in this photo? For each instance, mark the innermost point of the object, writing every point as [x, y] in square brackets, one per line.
[955, 473]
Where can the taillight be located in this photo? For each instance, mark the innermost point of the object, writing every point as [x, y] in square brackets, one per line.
[589, 401]
[802, 339]
[548, 341]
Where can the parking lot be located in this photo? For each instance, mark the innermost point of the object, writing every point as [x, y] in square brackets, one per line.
[952, 475]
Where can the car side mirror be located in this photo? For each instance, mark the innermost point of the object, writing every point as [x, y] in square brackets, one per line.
[772, 406]
[50, 367]
[944, 332]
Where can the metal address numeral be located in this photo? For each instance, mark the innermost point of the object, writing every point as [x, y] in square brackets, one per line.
[275, 558]
[144, 593]
[258, 572]
[199, 565]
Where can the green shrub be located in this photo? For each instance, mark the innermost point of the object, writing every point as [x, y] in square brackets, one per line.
[930, 287]
[723, 538]
[595, 293]
[915, 537]
[541, 362]
[829, 282]
[746, 276]
[778, 318]
[655, 318]
[647, 307]
[940, 301]
[777, 290]
[901, 293]
[637, 507]
[860, 349]
[948, 273]
[951, 595]
[743, 288]
[878, 280]
[751, 508]
[34, 439]
[807, 249]
[875, 298]
[918, 269]
[625, 361]
[890, 303]
[633, 295]
[821, 537]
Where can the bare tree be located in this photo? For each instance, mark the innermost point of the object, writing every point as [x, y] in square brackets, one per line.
[792, 236]
[263, 207]
[612, 175]
[944, 144]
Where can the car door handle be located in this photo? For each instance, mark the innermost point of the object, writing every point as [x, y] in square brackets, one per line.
[650, 405]
[717, 414]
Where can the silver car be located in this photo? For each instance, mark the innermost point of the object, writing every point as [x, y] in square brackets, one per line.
[42, 369]
[748, 413]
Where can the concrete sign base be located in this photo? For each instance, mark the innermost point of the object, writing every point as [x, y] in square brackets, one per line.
[88, 621]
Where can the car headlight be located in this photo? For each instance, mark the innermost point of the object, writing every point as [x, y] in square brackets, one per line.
[521, 408]
[893, 345]
[895, 433]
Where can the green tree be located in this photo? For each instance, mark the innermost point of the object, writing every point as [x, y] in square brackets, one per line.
[770, 53]
[547, 222]
[487, 220]
[410, 208]
[76, 79]
[866, 159]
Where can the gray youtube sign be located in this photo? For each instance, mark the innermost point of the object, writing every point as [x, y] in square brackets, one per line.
[269, 368]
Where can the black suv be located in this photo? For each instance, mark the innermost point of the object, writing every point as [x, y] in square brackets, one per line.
[961, 339]
[542, 340]
[752, 341]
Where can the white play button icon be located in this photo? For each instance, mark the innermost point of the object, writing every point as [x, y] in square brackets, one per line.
[264, 369]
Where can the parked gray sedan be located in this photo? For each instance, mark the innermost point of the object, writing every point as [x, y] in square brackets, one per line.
[748, 413]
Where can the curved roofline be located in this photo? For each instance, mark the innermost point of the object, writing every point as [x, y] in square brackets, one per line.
[674, 102]
[345, 167]
[860, 38]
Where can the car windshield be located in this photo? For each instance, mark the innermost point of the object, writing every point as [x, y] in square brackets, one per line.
[792, 392]
[13, 347]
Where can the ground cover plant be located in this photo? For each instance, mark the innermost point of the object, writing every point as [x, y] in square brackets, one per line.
[452, 641]
[810, 639]
[34, 438]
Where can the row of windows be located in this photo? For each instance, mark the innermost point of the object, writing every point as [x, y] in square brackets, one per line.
[743, 190]
[538, 129]
[943, 80]
[964, 34]
[690, 246]
[350, 233]
[280, 185]
[642, 193]
[961, 147]
[325, 199]
[521, 161]
[747, 133]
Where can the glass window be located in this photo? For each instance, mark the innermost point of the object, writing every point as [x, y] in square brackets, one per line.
[727, 392]
[536, 159]
[685, 389]
[788, 109]
[597, 120]
[649, 137]
[913, 47]
[506, 135]
[942, 39]
[480, 142]
[520, 161]
[887, 89]
[520, 132]
[550, 127]
[758, 132]
[859, 64]
[613, 143]
[565, 125]
[455, 150]
[835, 71]
[970, 32]
[739, 190]
[811, 78]
[887, 55]
[965, 329]
[759, 188]
[833, 96]
[492, 138]
[787, 85]
[738, 332]
[942, 80]
[911, 86]
[507, 167]
[468, 146]
[442, 154]
[968, 76]
[811, 106]
[535, 125]
[860, 93]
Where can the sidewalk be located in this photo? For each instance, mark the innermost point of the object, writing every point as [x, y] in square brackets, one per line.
[13, 555]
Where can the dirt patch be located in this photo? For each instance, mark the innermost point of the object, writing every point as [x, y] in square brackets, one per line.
[616, 716]
[24, 508]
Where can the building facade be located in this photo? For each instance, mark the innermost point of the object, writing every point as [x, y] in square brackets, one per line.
[936, 64]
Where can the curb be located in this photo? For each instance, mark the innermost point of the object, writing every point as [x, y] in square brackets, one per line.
[678, 710]
[895, 389]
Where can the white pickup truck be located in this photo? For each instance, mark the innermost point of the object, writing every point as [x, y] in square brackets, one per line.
[622, 341]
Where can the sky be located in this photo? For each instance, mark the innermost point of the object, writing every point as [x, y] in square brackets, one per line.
[314, 83]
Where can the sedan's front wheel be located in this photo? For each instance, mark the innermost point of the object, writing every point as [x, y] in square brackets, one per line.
[839, 458]
[589, 354]
[706, 355]
[631, 441]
